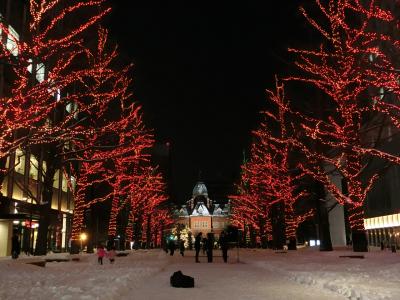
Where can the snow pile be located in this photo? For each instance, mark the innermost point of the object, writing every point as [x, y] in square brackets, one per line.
[77, 280]
[376, 277]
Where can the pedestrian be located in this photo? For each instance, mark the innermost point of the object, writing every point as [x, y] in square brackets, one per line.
[210, 247]
[100, 254]
[111, 254]
[165, 246]
[171, 246]
[204, 242]
[15, 246]
[182, 247]
[223, 243]
[197, 245]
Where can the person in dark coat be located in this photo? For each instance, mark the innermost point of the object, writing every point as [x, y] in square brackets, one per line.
[204, 244]
[182, 247]
[15, 246]
[197, 245]
[210, 247]
[223, 242]
[171, 246]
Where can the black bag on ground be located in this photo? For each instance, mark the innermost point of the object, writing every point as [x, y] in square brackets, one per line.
[180, 280]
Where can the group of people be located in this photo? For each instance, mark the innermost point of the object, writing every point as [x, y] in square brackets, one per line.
[101, 253]
[206, 242]
[208, 246]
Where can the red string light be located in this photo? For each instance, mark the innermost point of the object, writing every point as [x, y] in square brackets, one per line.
[351, 68]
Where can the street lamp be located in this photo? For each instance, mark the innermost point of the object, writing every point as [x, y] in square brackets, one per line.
[83, 238]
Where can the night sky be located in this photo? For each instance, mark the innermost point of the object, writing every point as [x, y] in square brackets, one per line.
[200, 73]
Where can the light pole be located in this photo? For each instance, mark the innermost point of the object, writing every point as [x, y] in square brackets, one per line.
[83, 238]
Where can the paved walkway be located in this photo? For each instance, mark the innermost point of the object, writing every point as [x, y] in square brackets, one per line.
[222, 281]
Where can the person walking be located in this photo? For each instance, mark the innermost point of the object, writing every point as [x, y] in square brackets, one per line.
[210, 247]
[197, 245]
[15, 246]
[100, 254]
[182, 247]
[171, 246]
[223, 242]
[111, 255]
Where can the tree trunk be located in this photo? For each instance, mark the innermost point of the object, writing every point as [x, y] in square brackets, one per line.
[45, 206]
[278, 228]
[358, 232]
[322, 216]
[90, 229]
[148, 232]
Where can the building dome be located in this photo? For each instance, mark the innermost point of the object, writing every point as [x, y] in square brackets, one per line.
[200, 190]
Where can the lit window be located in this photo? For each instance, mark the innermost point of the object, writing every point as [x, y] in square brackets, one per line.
[69, 107]
[64, 185]
[381, 93]
[12, 41]
[73, 182]
[44, 170]
[371, 57]
[56, 181]
[19, 162]
[33, 169]
[40, 70]
[30, 65]
[58, 95]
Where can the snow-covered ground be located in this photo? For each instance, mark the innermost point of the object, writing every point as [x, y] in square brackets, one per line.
[259, 274]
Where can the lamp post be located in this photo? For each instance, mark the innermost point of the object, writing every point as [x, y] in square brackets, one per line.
[83, 238]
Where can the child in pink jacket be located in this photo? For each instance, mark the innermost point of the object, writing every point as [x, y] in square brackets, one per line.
[111, 255]
[100, 254]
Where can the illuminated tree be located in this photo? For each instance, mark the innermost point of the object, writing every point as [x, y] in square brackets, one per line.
[42, 66]
[270, 187]
[108, 163]
[356, 72]
[70, 103]
[144, 195]
[46, 68]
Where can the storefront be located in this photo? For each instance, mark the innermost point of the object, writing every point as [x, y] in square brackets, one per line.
[383, 230]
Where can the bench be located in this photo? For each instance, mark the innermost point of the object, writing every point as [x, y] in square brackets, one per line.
[351, 256]
[41, 263]
[57, 259]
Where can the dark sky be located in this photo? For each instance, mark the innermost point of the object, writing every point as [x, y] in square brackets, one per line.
[201, 72]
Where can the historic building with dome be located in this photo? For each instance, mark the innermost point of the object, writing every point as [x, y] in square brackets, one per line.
[201, 214]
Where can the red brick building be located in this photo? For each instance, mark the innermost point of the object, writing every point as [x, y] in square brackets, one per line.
[201, 214]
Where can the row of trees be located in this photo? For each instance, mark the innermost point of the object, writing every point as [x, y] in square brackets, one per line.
[353, 77]
[79, 117]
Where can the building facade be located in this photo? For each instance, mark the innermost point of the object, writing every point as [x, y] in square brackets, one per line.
[201, 214]
[21, 183]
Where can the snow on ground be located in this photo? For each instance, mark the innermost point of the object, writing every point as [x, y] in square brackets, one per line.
[376, 277]
[78, 280]
[259, 274]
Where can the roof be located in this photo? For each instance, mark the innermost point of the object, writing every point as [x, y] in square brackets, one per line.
[200, 210]
[200, 189]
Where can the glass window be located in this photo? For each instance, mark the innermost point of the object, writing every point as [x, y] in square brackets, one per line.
[30, 65]
[58, 95]
[12, 40]
[64, 184]
[44, 169]
[40, 72]
[69, 107]
[19, 162]
[73, 183]
[56, 181]
[33, 170]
